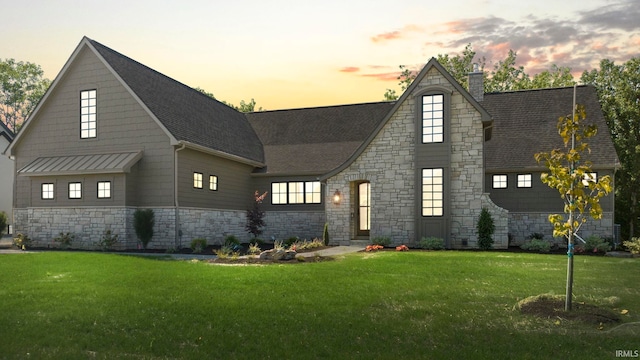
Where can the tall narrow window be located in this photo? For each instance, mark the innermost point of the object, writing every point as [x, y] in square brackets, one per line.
[104, 189]
[432, 192]
[433, 118]
[197, 180]
[75, 190]
[47, 191]
[88, 120]
[364, 208]
[213, 182]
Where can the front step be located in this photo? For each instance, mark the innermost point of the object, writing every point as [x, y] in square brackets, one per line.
[362, 243]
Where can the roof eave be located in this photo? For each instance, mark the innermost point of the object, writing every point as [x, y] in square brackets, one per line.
[222, 154]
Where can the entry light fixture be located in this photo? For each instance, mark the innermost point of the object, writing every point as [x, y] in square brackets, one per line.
[337, 197]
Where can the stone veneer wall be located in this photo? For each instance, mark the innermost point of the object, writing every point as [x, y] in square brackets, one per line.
[88, 224]
[521, 225]
[215, 225]
[388, 163]
[285, 224]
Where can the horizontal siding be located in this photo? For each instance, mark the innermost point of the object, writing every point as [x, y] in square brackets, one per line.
[539, 197]
[89, 191]
[235, 190]
[122, 125]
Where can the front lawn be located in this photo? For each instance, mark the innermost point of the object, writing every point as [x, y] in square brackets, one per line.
[384, 305]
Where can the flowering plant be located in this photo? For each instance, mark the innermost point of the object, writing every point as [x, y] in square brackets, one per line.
[373, 248]
[402, 248]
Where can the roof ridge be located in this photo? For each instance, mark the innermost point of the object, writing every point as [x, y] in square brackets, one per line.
[324, 106]
[119, 54]
[537, 89]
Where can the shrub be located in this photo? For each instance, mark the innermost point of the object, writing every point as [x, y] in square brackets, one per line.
[325, 234]
[254, 249]
[108, 240]
[633, 245]
[485, 229]
[64, 239]
[432, 243]
[537, 245]
[255, 216]
[22, 241]
[305, 244]
[232, 242]
[595, 244]
[535, 235]
[290, 241]
[223, 252]
[4, 221]
[381, 240]
[198, 244]
[143, 221]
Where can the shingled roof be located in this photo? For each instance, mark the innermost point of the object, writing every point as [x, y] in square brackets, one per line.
[5, 132]
[315, 140]
[524, 123]
[186, 113]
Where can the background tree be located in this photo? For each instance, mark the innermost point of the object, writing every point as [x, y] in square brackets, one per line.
[567, 174]
[619, 93]
[460, 65]
[22, 85]
[244, 106]
[405, 79]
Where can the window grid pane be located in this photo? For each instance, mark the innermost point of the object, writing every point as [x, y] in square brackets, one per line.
[589, 177]
[524, 180]
[47, 191]
[279, 193]
[104, 189]
[213, 182]
[432, 118]
[432, 192]
[75, 190]
[312, 192]
[296, 193]
[197, 180]
[499, 181]
[88, 119]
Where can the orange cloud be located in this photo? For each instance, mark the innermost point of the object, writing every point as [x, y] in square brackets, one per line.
[396, 34]
[349, 69]
[393, 76]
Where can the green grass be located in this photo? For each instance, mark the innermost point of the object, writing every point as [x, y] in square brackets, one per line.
[387, 305]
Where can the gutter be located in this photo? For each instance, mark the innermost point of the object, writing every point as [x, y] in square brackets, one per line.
[178, 231]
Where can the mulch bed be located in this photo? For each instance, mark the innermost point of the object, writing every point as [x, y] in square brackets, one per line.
[582, 312]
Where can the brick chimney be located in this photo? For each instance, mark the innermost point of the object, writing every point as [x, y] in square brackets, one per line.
[476, 83]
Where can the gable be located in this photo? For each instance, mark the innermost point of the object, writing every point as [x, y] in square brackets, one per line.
[183, 114]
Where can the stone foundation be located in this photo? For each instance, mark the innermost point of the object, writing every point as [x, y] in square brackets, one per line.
[285, 224]
[521, 225]
[89, 224]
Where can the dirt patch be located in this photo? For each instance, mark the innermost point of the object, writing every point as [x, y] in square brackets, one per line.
[553, 307]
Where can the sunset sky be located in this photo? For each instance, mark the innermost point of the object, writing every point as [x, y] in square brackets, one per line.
[288, 54]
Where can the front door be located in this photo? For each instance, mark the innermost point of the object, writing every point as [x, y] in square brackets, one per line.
[363, 208]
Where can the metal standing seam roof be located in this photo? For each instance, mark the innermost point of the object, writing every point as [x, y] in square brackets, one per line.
[81, 164]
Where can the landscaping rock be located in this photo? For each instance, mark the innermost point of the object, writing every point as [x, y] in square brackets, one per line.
[278, 254]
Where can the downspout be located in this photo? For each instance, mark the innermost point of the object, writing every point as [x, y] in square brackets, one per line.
[178, 231]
